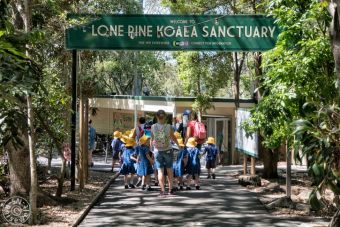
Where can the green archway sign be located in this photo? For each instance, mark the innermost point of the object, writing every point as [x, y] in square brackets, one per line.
[174, 32]
[164, 32]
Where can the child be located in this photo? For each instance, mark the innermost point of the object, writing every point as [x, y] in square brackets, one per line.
[181, 163]
[128, 162]
[122, 147]
[194, 165]
[116, 148]
[211, 157]
[145, 162]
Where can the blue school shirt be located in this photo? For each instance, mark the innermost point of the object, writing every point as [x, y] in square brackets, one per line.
[144, 166]
[194, 156]
[178, 166]
[141, 151]
[211, 152]
[116, 145]
[181, 155]
[126, 156]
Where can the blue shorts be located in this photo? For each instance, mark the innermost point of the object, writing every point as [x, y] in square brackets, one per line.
[164, 159]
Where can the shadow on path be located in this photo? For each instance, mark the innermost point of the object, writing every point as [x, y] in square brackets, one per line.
[220, 202]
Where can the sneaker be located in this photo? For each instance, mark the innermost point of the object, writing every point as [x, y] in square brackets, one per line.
[139, 183]
[213, 176]
[126, 187]
[161, 194]
[172, 192]
[131, 186]
[197, 187]
[187, 188]
[208, 177]
[149, 189]
[156, 183]
[143, 187]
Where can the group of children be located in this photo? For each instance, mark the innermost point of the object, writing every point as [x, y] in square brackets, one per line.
[138, 159]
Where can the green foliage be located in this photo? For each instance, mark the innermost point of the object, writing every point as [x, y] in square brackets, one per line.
[19, 75]
[299, 100]
[203, 75]
[297, 70]
[318, 139]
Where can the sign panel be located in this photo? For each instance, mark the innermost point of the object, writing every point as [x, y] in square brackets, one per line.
[244, 144]
[174, 32]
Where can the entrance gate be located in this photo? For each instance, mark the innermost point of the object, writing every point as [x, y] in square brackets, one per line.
[167, 33]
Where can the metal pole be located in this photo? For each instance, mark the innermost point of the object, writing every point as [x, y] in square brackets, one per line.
[289, 171]
[73, 119]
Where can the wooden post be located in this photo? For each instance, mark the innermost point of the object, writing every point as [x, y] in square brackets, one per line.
[86, 140]
[252, 167]
[244, 164]
[73, 119]
[289, 171]
[81, 144]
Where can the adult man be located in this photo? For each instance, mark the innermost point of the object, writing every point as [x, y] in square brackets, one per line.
[92, 143]
[161, 134]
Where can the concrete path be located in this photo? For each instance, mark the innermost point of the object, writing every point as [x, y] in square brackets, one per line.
[220, 202]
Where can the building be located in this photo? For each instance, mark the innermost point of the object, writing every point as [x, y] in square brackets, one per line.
[121, 113]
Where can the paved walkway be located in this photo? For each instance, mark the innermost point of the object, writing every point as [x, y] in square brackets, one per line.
[220, 202]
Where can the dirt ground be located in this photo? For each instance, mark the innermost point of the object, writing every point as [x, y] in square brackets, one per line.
[273, 189]
[65, 211]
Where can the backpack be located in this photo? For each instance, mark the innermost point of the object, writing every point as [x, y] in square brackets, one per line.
[141, 132]
[199, 131]
[161, 136]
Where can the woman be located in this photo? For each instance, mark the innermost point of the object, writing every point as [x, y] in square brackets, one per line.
[161, 134]
[191, 130]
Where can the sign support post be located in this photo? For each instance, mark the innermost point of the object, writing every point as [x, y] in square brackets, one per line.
[73, 119]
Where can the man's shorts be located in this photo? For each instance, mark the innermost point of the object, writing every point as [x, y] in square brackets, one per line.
[164, 159]
[210, 164]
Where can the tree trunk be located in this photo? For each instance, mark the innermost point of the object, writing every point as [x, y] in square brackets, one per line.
[33, 164]
[30, 123]
[61, 177]
[335, 34]
[19, 168]
[269, 163]
[49, 158]
[335, 222]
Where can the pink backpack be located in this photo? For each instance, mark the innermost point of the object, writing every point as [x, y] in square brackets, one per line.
[199, 131]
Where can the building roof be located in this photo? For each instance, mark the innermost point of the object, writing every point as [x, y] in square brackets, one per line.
[171, 99]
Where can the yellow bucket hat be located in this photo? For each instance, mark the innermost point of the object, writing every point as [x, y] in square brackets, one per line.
[124, 138]
[127, 133]
[211, 140]
[117, 134]
[178, 135]
[191, 142]
[130, 142]
[180, 142]
[143, 139]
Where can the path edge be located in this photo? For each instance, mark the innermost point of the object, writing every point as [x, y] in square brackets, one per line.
[95, 200]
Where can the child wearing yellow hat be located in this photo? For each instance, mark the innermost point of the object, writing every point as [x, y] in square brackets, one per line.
[211, 157]
[180, 164]
[194, 165]
[129, 160]
[116, 148]
[145, 162]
